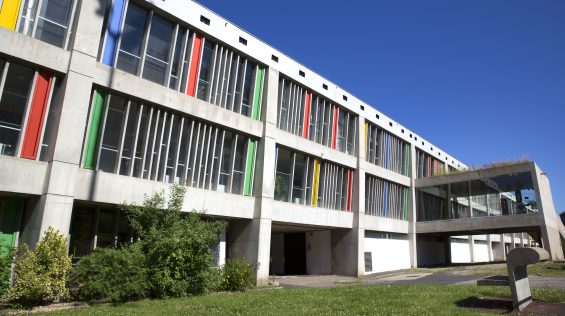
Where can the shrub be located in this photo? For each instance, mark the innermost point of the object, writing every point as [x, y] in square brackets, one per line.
[176, 246]
[6, 259]
[110, 274]
[238, 275]
[40, 275]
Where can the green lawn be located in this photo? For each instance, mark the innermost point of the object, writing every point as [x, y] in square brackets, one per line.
[354, 300]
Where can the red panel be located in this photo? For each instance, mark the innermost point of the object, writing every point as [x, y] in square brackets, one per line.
[349, 189]
[334, 129]
[194, 65]
[306, 115]
[36, 115]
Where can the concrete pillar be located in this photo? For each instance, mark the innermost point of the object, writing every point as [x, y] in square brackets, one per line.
[250, 239]
[489, 248]
[550, 235]
[345, 251]
[412, 216]
[447, 249]
[54, 207]
[471, 248]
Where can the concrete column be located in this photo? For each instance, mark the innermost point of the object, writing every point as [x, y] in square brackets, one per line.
[447, 249]
[250, 239]
[489, 249]
[550, 235]
[412, 216]
[471, 248]
[345, 251]
[54, 207]
[512, 242]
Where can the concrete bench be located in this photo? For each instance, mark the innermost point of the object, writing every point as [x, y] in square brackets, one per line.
[517, 261]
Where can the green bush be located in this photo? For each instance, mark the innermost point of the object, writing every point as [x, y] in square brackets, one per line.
[238, 275]
[176, 245]
[6, 259]
[111, 274]
[40, 275]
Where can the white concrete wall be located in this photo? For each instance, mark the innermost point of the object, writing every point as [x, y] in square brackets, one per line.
[460, 252]
[388, 254]
[481, 252]
[318, 252]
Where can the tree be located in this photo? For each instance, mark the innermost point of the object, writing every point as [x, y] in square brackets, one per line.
[40, 276]
[176, 245]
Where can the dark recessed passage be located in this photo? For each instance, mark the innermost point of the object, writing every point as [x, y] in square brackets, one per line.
[345, 97]
[362, 107]
[325, 86]
[204, 20]
[301, 73]
[243, 41]
[274, 58]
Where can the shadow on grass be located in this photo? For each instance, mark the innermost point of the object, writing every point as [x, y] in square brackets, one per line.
[487, 304]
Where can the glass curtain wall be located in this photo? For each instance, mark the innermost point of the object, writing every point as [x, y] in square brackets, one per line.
[386, 150]
[386, 199]
[428, 166]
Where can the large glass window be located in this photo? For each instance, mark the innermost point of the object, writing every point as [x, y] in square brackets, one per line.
[157, 54]
[129, 54]
[14, 98]
[51, 23]
[129, 139]
[282, 181]
[205, 71]
[112, 134]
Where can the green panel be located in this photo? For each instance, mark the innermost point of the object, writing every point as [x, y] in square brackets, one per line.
[250, 165]
[94, 132]
[9, 224]
[256, 113]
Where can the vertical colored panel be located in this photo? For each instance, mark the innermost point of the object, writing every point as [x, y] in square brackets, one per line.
[114, 29]
[249, 167]
[94, 132]
[258, 93]
[9, 223]
[9, 13]
[306, 126]
[36, 115]
[334, 128]
[349, 189]
[194, 65]
[406, 160]
[316, 182]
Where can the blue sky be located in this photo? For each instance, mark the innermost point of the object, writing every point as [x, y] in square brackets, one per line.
[484, 80]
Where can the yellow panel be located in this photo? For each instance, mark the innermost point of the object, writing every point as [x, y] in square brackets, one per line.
[316, 180]
[9, 13]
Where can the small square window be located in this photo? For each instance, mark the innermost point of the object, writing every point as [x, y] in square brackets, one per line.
[362, 107]
[415, 137]
[390, 124]
[344, 97]
[377, 116]
[446, 158]
[431, 148]
[422, 143]
[410, 135]
[402, 131]
[274, 58]
[243, 41]
[204, 20]
[439, 154]
[301, 73]
[325, 86]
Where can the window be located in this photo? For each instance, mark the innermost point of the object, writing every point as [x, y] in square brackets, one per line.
[157, 53]
[274, 58]
[301, 73]
[387, 150]
[283, 173]
[148, 142]
[51, 23]
[204, 20]
[385, 199]
[17, 81]
[129, 53]
[243, 41]
[205, 71]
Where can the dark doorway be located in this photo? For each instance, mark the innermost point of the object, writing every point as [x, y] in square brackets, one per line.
[295, 253]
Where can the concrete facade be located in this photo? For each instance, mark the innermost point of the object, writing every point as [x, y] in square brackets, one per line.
[349, 240]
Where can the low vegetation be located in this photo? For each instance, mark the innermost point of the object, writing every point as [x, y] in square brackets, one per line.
[545, 269]
[354, 300]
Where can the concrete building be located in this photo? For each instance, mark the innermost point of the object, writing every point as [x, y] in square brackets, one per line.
[103, 101]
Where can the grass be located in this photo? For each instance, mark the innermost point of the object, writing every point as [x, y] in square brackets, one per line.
[353, 300]
[546, 269]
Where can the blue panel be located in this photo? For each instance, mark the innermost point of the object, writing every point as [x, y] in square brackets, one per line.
[113, 32]
[386, 150]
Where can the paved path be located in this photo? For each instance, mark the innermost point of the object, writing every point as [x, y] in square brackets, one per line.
[455, 275]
